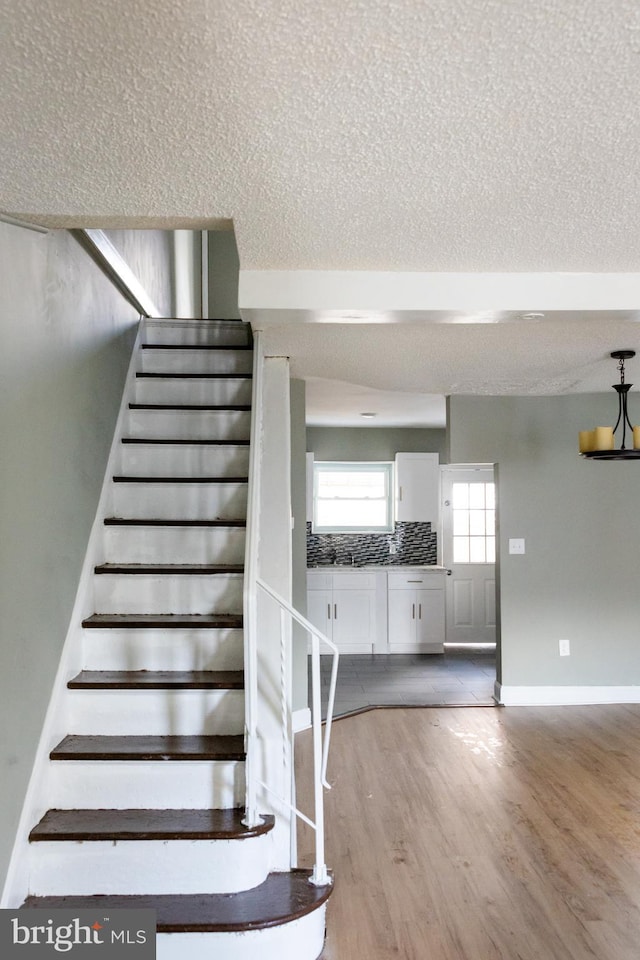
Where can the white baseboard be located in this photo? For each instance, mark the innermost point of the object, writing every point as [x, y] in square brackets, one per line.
[301, 719]
[511, 696]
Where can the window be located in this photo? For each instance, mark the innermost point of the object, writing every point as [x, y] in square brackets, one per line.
[474, 522]
[352, 497]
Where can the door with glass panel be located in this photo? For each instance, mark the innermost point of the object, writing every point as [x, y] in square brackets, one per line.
[469, 551]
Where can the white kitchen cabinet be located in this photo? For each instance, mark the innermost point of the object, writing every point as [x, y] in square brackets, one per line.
[416, 612]
[417, 487]
[348, 607]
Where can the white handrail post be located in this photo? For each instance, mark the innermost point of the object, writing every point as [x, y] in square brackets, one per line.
[320, 876]
[250, 605]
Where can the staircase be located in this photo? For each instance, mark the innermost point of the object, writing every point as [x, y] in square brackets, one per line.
[146, 786]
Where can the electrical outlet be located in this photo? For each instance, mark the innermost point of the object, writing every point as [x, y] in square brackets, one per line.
[564, 648]
[393, 549]
[516, 545]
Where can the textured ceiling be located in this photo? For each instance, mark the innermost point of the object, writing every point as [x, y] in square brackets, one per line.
[414, 134]
[411, 135]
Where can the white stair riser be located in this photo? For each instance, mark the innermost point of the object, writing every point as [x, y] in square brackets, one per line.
[189, 424]
[152, 867]
[139, 593]
[180, 501]
[191, 390]
[301, 939]
[156, 712]
[182, 460]
[196, 361]
[163, 650]
[174, 544]
[220, 332]
[170, 784]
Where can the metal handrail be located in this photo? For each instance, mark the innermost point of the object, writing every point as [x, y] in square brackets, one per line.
[320, 875]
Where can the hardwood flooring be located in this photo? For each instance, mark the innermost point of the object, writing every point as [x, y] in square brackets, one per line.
[482, 834]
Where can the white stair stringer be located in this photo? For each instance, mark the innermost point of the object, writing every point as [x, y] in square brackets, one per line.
[175, 496]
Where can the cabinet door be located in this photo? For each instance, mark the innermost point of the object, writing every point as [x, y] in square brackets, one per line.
[430, 616]
[353, 617]
[320, 610]
[417, 487]
[402, 617]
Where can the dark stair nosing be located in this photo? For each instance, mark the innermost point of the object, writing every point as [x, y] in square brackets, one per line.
[145, 374]
[197, 346]
[111, 825]
[170, 621]
[150, 748]
[157, 680]
[169, 569]
[283, 897]
[129, 479]
[181, 441]
[203, 407]
[128, 522]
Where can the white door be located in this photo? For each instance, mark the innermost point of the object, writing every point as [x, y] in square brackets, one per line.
[469, 538]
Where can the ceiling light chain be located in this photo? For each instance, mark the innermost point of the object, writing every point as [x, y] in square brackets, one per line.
[599, 443]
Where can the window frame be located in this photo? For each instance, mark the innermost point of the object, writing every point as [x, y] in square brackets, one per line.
[355, 466]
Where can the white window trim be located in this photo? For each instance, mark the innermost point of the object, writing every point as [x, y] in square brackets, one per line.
[349, 466]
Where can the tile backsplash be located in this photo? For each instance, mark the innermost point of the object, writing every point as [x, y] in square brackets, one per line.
[415, 543]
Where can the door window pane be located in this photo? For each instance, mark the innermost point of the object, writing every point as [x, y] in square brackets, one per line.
[474, 522]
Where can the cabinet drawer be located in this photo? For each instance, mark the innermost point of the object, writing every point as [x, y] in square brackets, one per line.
[319, 581]
[415, 581]
[354, 581]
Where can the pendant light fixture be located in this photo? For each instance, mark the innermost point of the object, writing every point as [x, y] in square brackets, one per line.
[599, 443]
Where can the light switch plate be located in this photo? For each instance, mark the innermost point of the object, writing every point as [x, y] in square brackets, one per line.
[516, 545]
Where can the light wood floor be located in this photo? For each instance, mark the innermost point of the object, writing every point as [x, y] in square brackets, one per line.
[478, 834]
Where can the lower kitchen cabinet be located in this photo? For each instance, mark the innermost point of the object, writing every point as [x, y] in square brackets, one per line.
[346, 607]
[416, 613]
[365, 611]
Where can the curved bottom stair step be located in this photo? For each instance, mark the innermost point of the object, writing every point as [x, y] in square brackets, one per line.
[139, 824]
[282, 898]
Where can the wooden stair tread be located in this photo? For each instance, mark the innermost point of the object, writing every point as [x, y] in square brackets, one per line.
[232, 407]
[127, 479]
[170, 569]
[146, 375]
[141, 522]
[281, 898]
[197, 346]
[182, 441]
[158, 680]
[151, 748]
[146, 825]
[169, 621]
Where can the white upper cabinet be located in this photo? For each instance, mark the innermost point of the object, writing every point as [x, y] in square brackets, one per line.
[417, 487]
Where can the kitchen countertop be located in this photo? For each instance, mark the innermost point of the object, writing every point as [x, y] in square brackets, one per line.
[425, 568]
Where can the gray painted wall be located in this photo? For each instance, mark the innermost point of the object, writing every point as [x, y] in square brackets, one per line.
[150, 254]
[579, 576]
[224, 267]
[66, 338]
[372, 443]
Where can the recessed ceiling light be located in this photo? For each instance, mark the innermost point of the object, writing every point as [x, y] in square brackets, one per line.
[533, 316]
[368, 416]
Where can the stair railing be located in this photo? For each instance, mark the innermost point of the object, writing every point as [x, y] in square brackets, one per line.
[253, 584]
[320, 876]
